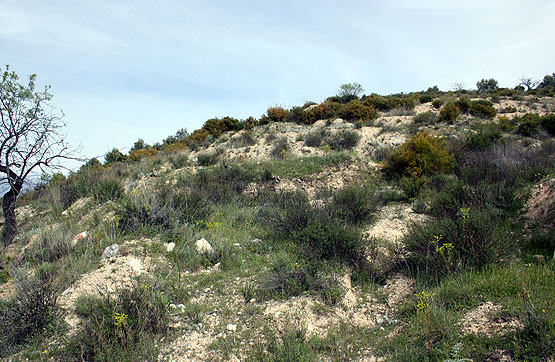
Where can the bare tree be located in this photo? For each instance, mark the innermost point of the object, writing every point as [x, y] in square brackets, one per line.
[529, 83]
[30, 140]
[458, 87]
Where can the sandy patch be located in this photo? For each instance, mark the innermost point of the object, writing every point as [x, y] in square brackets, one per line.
[487, 319]
[394, 222]
[541, 205]
[110, 276]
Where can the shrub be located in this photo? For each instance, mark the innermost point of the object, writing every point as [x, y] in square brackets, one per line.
[423, 154]
[145, 152]
[114, 156]
[483, 138]
[31, 311]
[528, 124]
[217, 126]
[297, 115]
[482, 109]
[329, 239]
[354, 204]
[120, 327]
[315, 138]
[425, 98]
[207, 159]
[325, 110]
[449, 113]
[463, 104]
[385, 104]
[548, 123]
[473, 238]
[357, 111]
[281, 148]
[277, 114]
[437, 103]
[110, 189]
[426, 118]
[343, 140]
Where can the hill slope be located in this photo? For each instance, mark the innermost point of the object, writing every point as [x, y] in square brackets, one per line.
[407, 236]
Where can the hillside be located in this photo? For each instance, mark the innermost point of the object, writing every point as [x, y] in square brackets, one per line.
[413, 227]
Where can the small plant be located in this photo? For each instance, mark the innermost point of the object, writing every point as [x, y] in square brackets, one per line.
[343, 140]
[207, 159]
[449, 113]
[426, 118]
[281, 148]
[482, 109]
[437, 103]
[529, 124]
[423, 154]
[456, 354]
[315, 138]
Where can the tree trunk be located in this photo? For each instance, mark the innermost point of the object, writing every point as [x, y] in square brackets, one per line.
[8, 206]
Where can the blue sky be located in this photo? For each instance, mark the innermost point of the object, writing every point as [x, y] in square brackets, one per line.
[123, 70]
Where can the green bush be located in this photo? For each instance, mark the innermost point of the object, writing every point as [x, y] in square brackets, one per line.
[120, 327]
[217, 126]
[528, 124]
[472, 239]
[207, 159]
[423, 154]
[277, 114]
[281, 148]
[316, 137]
[425, 98]
[354, 204]
[114, 156]
[548, 123]
[385, 104]
[483, 138]
[437, 103]
[426, 118]
[449, 113]
[463, 104]
[110, 189]
[325, 110]
[357, 111]
[482, 109]
[297, 115]
[32, 311]
[343, 140]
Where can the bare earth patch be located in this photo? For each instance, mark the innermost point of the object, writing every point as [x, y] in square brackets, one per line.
[108, 278]
[395, 221]
[487, 319]
[541, 205]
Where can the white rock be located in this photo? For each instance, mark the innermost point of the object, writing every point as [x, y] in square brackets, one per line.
[232, 327]
[204, 246]
[172, 306]
[110, 251]
[169, 247]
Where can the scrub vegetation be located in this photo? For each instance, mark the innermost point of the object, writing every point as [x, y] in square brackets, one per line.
[410, 227]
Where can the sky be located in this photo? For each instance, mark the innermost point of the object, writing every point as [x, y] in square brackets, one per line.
[124, 70]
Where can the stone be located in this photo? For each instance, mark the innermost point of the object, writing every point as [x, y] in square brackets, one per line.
[110, 251]
[204, 246]
[169, 247]
[172, 306]
[79, 237]
[232, 327]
